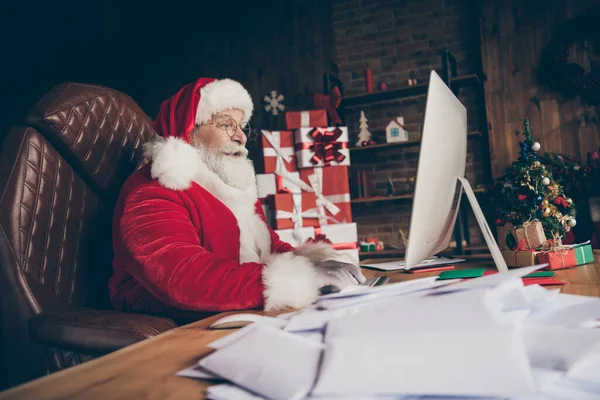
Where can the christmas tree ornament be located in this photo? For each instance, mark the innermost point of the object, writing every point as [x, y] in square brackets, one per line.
[539, 199]
[568, 200]
[547, 212]
[572, 222]
[546, 181]
[522, 197]
[536, 146]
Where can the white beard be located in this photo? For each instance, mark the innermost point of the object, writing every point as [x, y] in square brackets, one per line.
[237, 172]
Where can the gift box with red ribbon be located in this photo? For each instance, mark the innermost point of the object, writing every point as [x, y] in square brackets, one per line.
[343, 238]
[520, 258]
[329, 102]
[318, 147]
[278, 151]
[295, 210]
[306, 119]
[268, 184]
[332, 191]
[532, 233]
[558, 258]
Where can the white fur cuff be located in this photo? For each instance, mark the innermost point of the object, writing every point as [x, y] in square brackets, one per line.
[290, 282]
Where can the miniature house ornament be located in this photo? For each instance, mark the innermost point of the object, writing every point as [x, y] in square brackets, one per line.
[395, 131]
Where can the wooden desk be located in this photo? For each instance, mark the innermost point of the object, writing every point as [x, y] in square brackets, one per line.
[147, 369]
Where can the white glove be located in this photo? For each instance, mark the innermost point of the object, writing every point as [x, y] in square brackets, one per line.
[338, 274]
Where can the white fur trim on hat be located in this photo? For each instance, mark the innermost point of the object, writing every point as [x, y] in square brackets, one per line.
[221, 95]
[290, 282]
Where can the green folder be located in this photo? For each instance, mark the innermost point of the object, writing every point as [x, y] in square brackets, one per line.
[540, 274]
[461, 273]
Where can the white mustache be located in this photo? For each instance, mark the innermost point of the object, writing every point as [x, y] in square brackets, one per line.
[232, 148]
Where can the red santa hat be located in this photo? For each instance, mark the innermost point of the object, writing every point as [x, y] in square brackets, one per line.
[197, 102]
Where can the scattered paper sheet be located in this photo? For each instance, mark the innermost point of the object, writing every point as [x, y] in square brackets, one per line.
[460, 362]
[198, 372]
[558, 348]
[230, 392]
[269, 362]
[475, 309]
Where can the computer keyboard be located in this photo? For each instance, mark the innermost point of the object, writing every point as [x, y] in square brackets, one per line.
[376, 281]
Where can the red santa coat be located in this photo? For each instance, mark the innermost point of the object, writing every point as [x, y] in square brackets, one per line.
[186, 241]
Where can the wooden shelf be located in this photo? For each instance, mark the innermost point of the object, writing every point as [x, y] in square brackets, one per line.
[407, 92]
[383, 146]
[398, 197]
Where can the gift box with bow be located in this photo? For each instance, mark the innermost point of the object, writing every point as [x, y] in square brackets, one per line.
[278, 151]
[520, 258]
[296, 237]
[332, 191]
[559, 258]
[329, 102]
[532, 233]
[306, 119]
[295, 210]
[290, 182]
[318, 147]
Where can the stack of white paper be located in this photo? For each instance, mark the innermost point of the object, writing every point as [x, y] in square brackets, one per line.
[490, 337]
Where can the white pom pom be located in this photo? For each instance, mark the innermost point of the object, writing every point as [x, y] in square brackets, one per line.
[546, 181]
[572, 222]
[536, 146]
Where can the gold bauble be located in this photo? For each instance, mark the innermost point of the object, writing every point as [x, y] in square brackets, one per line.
[568, 200]
[546, 212]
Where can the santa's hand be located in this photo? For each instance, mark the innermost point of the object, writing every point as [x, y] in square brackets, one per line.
[338, 274]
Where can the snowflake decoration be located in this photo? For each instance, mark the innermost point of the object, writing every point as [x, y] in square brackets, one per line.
[274, 103]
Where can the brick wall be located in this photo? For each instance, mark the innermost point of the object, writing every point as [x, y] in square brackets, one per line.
[399, 40]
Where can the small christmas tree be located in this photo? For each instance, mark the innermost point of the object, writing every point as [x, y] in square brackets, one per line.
[527, 192]
[364, 136]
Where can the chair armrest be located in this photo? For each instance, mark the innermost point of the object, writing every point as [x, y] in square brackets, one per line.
[95, 331]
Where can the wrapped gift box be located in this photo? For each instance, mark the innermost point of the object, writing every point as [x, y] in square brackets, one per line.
[305, 119]
[268, 184]
[295, 210]
[331, 187]
[532, 233]
[318, 147]
[558, 259]
[520, 258]
[583, 253]
[296, 237]
[278, 151]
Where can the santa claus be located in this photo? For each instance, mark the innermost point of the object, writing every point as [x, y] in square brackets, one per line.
[189, 234]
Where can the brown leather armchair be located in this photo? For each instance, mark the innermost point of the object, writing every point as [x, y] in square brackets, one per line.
[60, 174]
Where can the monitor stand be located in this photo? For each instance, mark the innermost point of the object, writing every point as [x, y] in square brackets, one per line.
[485, 228]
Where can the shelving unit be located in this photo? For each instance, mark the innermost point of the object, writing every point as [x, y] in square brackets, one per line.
[407, 196]
[455, 83]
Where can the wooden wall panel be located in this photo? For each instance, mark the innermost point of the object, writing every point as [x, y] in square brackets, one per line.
[513, 35]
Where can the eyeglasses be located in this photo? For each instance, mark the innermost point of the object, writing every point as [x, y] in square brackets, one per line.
[230, 126]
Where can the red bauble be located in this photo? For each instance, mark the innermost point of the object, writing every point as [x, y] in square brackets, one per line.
[522, 197]
[500, 222]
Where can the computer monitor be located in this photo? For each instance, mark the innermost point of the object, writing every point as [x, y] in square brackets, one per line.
[441, 179]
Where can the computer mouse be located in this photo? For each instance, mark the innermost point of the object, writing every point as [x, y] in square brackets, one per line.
[235, 321]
